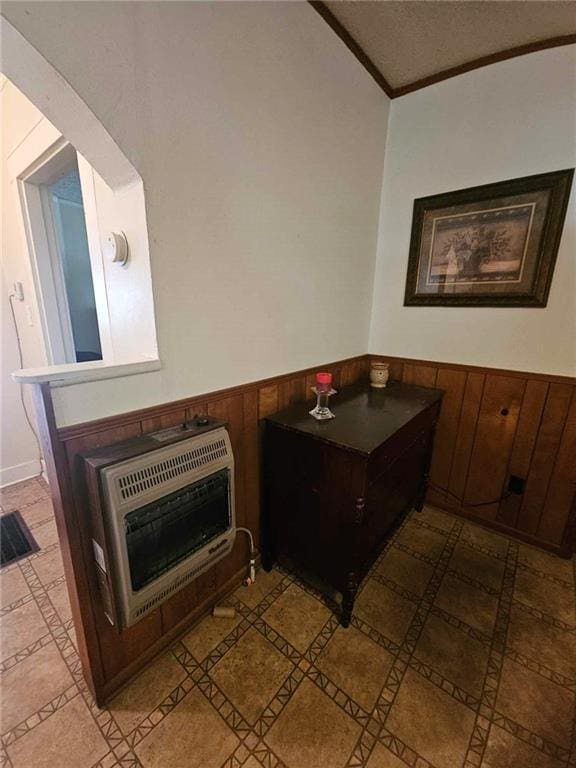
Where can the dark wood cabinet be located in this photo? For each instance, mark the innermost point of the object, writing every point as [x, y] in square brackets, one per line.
[334, 490]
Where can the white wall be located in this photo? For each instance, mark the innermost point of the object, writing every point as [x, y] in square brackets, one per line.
[260, 142]
[507, 120]
[19, 456]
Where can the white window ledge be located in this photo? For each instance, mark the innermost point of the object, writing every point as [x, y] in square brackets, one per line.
[78, 373]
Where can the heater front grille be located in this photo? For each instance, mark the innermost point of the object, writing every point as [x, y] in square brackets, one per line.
[140, 481]
[159, 597]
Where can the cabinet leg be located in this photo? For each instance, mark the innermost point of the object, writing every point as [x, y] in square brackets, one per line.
[267, 561]
[348, 598]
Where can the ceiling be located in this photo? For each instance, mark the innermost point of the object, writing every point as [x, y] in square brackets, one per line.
[406, 41]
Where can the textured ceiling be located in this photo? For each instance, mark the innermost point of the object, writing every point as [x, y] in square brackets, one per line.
[408, 40]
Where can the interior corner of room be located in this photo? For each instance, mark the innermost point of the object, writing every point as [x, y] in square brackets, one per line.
[202, 211]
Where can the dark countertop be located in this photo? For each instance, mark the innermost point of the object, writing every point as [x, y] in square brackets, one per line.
[365, 417]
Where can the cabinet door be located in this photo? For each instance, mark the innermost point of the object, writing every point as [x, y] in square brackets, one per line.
[391, 494]
[310, 501]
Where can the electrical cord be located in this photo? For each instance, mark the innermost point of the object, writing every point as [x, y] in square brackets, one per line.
[20, 386]
[462, 503]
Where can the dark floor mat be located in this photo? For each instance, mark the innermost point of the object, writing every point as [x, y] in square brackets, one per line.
[16, 541]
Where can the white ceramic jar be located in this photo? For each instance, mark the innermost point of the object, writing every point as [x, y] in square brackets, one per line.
[379, 373]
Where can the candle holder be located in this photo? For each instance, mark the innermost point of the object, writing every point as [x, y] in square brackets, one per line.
[321, 412]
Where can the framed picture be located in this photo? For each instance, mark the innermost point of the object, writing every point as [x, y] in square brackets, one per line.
[488, 246]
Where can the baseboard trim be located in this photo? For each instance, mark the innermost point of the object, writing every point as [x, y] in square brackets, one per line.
[19, 472]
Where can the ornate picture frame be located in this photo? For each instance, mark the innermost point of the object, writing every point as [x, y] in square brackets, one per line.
[489, 246]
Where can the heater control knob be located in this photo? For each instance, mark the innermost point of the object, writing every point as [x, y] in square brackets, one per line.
[202, 421]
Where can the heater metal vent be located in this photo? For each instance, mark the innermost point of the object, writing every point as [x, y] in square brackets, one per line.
[159, 597]
[140, 481]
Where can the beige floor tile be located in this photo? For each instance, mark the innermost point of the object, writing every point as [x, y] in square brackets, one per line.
[68, 739]
[193, 735]
[454, 654]
[431, 722]
[31, 684]
[20, 628]
[536, 703]
[251, 673]
[73, 637]
[383, 758]
[206, 635]
[13, 587]
[356, 664]
[313, 731]
[38, 512]
[49, 566]
[506, 751]
[485, 569]
[549, 597]
[484, 538]
[141, 696]
[20, 495]
[264, 584]
[297, 616]
[405, 570]
[384, 610]
[252, 763]
[422, 540]
[46, 534]
[467, 603]
[551, 564]
[60, 600]
[554, 648]
[435, 517]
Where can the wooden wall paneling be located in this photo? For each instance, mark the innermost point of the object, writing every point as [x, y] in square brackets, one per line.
[495, 432]
[550, 378]
[558, 506]
[452, 383]
[117, 649]
[231, 410]
[164, 420]
[311, 382]
[353, 371]
[396, 370]
[267, 400]
[251, 450]
[421, 375]
[523, 447]
[346, 375]
[336, 372]
[70, 537]
[542, 465]
[465, 435]
[179, 606]
[196, 409]
[291, 391]
[471, 434]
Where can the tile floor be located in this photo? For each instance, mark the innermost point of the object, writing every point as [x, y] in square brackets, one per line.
[461, 653]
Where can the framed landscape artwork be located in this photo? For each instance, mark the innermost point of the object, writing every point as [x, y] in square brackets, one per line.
[491, 246]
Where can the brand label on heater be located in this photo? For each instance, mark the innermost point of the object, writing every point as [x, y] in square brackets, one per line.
[99, 555]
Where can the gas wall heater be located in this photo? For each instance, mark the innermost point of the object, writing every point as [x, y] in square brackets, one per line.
[168, 515]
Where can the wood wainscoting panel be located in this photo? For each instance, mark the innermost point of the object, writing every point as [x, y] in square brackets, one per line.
[561, 495]
[494, 424]
[465, 436]
[476, 450]
[110, 656]
[493, 440]
[544, 456]
[452, 383]
[524, 443]
[421, 375]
